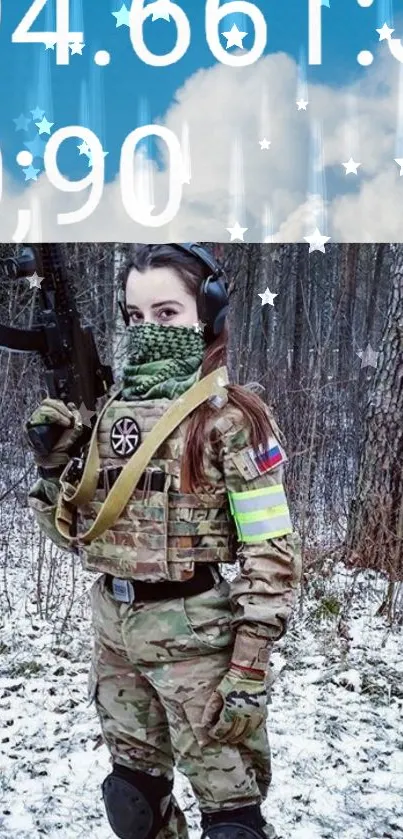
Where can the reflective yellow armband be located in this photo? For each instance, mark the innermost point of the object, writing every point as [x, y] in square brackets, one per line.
[260, 514]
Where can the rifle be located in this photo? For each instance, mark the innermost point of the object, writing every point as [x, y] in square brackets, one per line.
[73, 370]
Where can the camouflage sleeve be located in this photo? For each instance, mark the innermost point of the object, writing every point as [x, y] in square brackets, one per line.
[42, 500]
[264, 592]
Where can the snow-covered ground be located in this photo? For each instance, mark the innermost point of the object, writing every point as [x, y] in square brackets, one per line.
[335, 721]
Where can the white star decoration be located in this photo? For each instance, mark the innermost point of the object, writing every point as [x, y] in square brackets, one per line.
[234, 37]
[385, 32]
[399, 161]
[368, 357]
[160, 10]
[50, 42]
[237, 231]
[84, 148]
[302, 104]
[317, 241]
[264, 144]
[35, 281]
[76, 48]
[351, 167]
[267, 297]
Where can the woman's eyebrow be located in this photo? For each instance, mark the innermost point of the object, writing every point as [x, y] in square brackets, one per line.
[131, 306]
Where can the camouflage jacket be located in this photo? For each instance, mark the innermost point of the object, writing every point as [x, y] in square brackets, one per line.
[263, 593]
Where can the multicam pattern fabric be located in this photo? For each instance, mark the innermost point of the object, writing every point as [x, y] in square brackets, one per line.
[156, 664]
[146, 541]
[237, 707]
[153, 670]
[163, 361]
[42, 500]
[264, 591]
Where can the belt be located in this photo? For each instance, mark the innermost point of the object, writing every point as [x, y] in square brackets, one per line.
[126, 591]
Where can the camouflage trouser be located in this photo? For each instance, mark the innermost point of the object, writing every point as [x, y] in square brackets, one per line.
[154, 667]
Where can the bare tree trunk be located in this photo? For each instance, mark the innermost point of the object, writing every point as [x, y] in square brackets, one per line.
[375, 529]
[372, 299]
[301, 282]
[348, 294]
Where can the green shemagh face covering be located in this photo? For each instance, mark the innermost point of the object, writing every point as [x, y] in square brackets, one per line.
[163, 361]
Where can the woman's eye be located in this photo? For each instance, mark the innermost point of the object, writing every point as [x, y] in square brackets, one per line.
[165, 314]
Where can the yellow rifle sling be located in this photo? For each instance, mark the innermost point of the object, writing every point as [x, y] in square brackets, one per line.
[119, 495]
[89, 479]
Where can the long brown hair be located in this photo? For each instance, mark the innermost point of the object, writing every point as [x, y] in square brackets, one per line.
[192, 272]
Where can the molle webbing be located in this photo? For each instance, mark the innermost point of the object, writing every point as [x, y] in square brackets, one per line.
[122, 490]
[151, 529]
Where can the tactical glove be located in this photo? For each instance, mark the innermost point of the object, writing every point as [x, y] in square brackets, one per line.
[238, 706]
[241, 705]
[54, 412]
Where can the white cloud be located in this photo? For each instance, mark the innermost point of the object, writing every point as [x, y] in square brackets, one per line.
[223, 103]
[375, 213]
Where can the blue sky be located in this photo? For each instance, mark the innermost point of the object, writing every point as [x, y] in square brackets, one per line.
[114, 100]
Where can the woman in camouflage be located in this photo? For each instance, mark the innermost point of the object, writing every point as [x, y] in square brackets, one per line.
[180, 671]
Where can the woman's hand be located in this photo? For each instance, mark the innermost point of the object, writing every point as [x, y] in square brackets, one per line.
[65, 419]
[237, 707]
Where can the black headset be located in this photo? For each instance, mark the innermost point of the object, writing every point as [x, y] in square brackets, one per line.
[212, 297]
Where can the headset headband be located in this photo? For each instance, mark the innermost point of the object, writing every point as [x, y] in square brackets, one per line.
[203, 254]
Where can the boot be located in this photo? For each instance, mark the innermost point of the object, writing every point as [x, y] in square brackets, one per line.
[240, 823]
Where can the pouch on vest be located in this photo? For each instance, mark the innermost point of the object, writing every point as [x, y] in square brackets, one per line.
[138, 541]
[160, 534]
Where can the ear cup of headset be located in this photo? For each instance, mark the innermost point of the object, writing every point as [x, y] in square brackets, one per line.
[212, 305]
[212, 298]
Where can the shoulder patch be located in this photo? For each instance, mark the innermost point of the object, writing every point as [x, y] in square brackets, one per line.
[254, 462]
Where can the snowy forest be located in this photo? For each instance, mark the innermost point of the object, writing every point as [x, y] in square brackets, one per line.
[327, 355]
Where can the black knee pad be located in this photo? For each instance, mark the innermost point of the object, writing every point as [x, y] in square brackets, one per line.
[239, 823]
[132, 802]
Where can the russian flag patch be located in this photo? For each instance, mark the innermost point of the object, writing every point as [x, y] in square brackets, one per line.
[265, 459]
[251, 463]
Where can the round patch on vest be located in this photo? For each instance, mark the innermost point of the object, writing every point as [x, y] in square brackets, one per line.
[125, 436]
